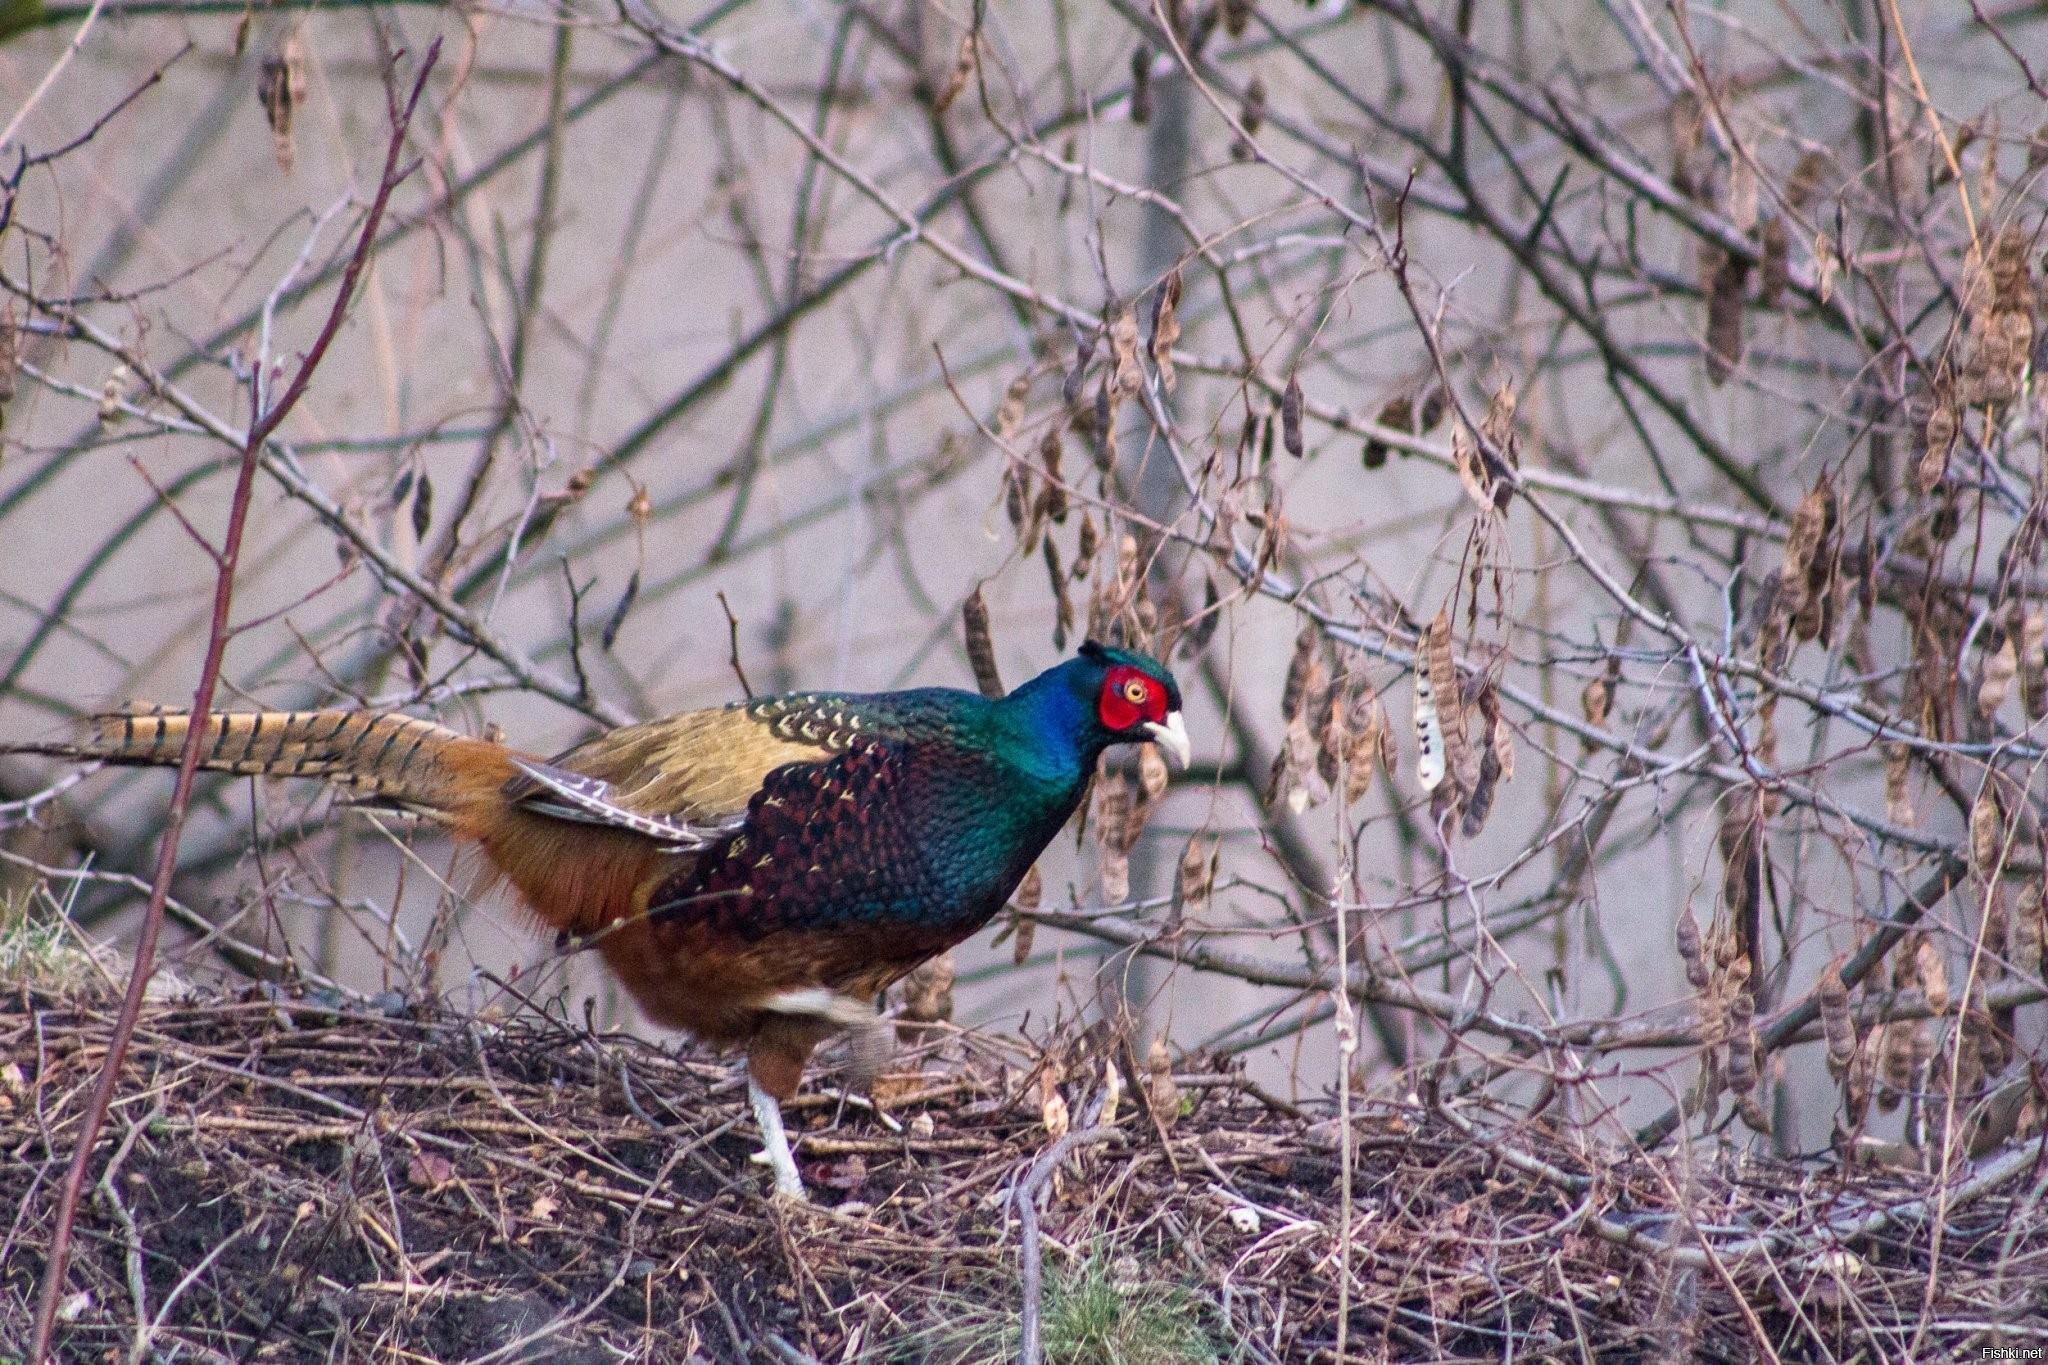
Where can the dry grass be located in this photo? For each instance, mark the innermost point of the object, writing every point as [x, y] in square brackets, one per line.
[296, 1181]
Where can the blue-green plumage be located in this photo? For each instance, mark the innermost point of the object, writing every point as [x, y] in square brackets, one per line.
[934, 807]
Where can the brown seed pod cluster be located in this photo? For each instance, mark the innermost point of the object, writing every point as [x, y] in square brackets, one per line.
[2001, 329]
[1810, 575]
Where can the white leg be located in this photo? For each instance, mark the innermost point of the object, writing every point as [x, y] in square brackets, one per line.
[774, 1151]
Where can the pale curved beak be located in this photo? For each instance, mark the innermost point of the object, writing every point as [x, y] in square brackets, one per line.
[1172, 736]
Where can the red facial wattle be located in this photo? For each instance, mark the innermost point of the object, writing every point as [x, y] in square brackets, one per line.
[1128, 698]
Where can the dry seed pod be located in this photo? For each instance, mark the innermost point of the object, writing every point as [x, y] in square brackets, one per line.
[1288, 784]
[1836, 1022]
[1123, 347]
[1251, 116]
[1724, 288]
[1932, 969]
[2028, 929]
[1742, 1041]
[1397, 413]
[1305, 674]
[1994, 683]
[1443, 679]
[1166, 327]
[2032, 632]
[1987, 833]
[281, 89]
[1895, 1063]
[1774, 263]
[1429, 734]
[1898, 801]
[956, 79]
[1029, 892]
[1237, 15]
[1367, 727]
[1052, 500]
[1805, 178]
[1333, 739]
[1937, 436]
[1290, 417]
[1689, 951]
[1010, 412]
[1063, 619]
[981, 648]
[1196, 880]
[1141, 85]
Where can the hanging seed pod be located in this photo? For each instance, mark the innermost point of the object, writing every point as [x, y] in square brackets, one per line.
[1085, 545]
[981, 645]
[956, 79]
[1029, 892]
[1429, 734]
[1995, 680]
[113, 393]
[1288, 783]
[1805, 178]
[10, 352]
[1125, 372]
[1689, 952]
[1443, 679]
[1987, 834]
[1895, 1063]
[1742, 1076]
[1397, 414]
[1367, 727]
[1898, 800]
[1597, 699]
[1237, 14]
[1837, 1025]
[1774, 263]
[1053, 500]
[1333, 738]
[2030, 629]
[2028, 929]
[1932, 969]
[1251, 116]
[1305, 674]
[1166, 327]
[1010, 412]
[1723, 286]
[1141, 85]
[1290, 417]
[1937, 435]
[1479, 799]
[1196, 880]
[1063, 604]
[281, 89]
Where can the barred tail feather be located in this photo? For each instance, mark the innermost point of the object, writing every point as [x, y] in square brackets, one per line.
[397, 758]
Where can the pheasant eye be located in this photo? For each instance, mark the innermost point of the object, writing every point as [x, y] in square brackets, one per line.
[1134, 692]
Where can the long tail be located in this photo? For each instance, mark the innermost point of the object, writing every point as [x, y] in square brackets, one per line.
[572, 876]
[398, 759]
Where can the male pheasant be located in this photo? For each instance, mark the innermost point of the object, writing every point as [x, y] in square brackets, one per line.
[756, 874]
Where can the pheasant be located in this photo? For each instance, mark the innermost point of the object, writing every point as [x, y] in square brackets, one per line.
[756, 875]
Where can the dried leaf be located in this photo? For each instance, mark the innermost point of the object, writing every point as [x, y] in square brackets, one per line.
[1052, 1108]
